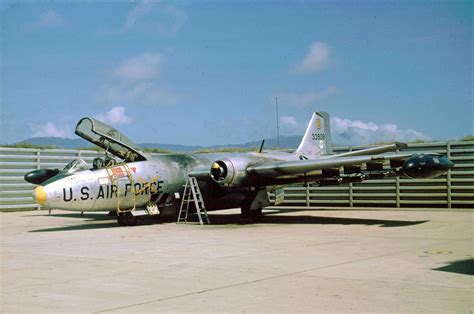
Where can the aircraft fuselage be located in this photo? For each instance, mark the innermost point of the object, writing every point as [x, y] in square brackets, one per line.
[134, 184]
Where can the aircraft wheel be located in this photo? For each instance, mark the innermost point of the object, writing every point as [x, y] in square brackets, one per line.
[249, 216]
[127, 219]
[121, 219]
[256, 214]
[131, 220]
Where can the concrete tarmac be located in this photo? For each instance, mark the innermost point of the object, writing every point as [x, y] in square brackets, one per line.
[301, 261]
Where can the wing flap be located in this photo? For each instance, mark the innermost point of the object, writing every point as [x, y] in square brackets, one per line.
[375, 150]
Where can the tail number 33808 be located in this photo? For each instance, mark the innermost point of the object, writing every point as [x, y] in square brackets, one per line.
[317, 137]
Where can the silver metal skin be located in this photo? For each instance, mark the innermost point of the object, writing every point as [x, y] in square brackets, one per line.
[145, 185]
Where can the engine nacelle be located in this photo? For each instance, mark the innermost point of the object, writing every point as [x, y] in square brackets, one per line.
[424, 166]
[229, 172]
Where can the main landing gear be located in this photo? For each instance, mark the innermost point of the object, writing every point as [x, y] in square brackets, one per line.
[258, 199]
[127, 219]
[248, 215]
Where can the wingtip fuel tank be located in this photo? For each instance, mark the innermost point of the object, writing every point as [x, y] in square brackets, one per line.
[426, 166]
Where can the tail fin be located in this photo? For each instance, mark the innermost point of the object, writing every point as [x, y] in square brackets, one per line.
[317, 138]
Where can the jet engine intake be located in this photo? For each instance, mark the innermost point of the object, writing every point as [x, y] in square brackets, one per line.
[222, 171]
[230, 172]
[425, 166]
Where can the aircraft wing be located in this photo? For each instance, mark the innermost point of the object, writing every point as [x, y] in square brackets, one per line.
[309, 167]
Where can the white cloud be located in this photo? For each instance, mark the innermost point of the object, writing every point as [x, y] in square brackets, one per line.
[47, 19]
[171, 21]
[289, 126]
[136, 80]
[288, 121]
[316, 59]
[142, 9]
[356, 132]
[143, 67]
[50, 19]
[306, 98]
[116, 115]
[166, 19]
[49, 130]
[145, 93]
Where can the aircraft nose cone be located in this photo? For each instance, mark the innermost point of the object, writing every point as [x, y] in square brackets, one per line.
[446, 164]
[39, 195]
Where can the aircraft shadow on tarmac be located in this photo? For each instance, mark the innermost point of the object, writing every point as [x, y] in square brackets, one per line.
[108, 222]
[316, 220]
[228, 219]
[465, 267]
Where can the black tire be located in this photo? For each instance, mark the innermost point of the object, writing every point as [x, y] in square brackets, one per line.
[249, 216]
[131, 220]
[127, 219]
[121, 220]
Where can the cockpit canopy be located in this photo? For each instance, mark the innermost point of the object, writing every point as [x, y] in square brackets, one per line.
[75, 166]
[110, 139]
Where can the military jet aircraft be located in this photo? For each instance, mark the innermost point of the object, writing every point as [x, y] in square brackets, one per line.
[141, 184]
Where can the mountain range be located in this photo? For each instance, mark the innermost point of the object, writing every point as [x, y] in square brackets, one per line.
[69, 143]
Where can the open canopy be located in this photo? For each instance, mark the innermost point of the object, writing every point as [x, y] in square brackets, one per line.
[108, 138]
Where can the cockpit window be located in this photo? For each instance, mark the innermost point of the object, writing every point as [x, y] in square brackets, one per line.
[75, 166]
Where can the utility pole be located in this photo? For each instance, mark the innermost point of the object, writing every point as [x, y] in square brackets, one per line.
[278, 123]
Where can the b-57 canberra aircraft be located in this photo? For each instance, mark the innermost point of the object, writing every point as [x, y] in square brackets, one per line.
[153, 185]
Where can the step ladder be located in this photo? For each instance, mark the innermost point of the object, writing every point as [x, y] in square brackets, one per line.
[192, 194]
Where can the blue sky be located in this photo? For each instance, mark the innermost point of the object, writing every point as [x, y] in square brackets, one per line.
[208, 73]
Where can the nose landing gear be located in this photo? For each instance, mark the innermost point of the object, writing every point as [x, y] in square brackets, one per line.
[127, 219]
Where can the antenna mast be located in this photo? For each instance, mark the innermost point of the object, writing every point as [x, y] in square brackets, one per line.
[278, 123]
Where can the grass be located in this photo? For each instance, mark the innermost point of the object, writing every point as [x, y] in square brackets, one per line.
[95, 148]
[157, 150]
[28, 145]
[224, 150]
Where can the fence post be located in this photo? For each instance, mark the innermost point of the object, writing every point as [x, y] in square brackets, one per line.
[397, 191]
[307, 195]
[38, 166]
[351, 191]
[351, 196]
[448, 175]
[38, 158]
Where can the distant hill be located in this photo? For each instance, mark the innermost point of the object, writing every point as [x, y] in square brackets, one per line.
[59, 142]
[285, 142]
[172, 147]
[69, 143]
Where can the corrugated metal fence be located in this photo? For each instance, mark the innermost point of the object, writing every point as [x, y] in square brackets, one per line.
[15, 192]
[456, 189]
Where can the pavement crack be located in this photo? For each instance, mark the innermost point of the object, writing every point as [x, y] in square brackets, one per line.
[239, 284]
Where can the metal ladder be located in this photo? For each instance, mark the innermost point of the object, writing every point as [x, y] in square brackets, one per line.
[192, 193]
